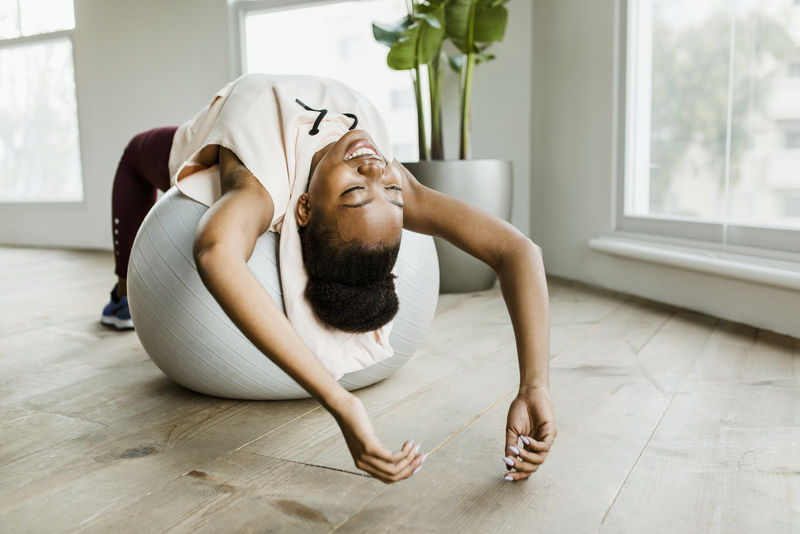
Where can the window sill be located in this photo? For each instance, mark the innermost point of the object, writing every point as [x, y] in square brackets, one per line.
[751, 265]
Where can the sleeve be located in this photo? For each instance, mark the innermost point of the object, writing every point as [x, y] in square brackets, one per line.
[245, 120]
[249, 125]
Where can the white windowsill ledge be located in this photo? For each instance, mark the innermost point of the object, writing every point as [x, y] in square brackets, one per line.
[779, 273]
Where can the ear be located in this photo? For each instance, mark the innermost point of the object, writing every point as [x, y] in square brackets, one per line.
[302, 210]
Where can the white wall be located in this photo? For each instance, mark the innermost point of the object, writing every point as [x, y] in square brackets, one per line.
[571, 190]
[573, 181]
[138, 65]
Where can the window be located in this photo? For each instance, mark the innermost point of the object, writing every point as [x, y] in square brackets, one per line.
[39, 153]
[402, 99]
[333, 40]
[709, 151]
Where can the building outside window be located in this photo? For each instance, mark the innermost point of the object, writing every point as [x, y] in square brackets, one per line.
[712, 103]
[39, 148]
[334, 40]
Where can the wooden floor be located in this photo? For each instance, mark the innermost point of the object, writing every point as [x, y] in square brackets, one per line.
[668, 420]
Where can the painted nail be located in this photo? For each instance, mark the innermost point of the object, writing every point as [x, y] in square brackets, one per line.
[508, 461]
[416, 451]
[417, 469]
[525, 440]
[509, 478]
[423, 459]
[514, 450]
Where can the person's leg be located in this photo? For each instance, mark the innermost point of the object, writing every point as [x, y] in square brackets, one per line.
[142, 171]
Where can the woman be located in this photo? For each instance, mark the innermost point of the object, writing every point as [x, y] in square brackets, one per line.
[324, 177]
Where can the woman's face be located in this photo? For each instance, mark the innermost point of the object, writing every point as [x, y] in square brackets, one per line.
[355, 190]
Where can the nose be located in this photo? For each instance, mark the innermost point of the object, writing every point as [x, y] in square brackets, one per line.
[371, 168]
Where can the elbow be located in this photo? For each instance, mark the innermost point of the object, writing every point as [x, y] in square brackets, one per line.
[203, 260]
[532, 250]
[215, 256]
[521, 249]
[201, 246]
[206, 255]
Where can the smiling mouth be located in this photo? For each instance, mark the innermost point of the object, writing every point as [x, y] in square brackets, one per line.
[361, 149]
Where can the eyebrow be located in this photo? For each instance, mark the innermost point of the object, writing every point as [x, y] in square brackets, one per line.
[367, 201]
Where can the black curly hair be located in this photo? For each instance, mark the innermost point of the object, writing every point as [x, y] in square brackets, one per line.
[350, 284]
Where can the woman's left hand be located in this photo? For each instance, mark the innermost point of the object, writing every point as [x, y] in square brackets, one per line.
[531, 420]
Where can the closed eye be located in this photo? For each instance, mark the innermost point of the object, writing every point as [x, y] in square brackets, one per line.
[350, 190]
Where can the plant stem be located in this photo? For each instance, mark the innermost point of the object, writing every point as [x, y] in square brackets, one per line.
[466, 94]
[466, 107]
[423, 141]
[435, 86]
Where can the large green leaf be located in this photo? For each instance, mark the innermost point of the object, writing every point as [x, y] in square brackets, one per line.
[417, 45]
[388, 34]
[457, 22]
[488, 22]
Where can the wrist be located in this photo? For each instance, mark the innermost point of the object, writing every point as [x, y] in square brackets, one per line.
[526, 387]
[337, 401]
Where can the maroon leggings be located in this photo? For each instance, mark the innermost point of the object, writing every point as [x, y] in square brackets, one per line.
[143, 169]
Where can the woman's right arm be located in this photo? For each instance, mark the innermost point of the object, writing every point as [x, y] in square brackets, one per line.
[225, 239]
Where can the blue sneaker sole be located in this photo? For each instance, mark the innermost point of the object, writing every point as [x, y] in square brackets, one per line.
[116, 322]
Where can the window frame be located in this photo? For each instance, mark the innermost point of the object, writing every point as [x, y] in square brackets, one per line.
[36, 38]
[238, 11]
[760, 240]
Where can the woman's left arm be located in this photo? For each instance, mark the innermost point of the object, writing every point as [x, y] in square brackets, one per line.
[520, 270]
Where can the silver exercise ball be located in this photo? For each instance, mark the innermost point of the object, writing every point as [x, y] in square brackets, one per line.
[192, 340]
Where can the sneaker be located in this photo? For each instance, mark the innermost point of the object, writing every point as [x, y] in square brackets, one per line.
[116, 312]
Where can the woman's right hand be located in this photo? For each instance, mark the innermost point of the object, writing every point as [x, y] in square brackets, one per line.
[368, 453]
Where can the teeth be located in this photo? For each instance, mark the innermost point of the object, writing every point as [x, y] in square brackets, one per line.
[363, 151]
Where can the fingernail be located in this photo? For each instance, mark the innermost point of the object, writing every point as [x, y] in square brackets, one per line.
[514, 450]
[417, 469]
[525, 440]
[416, 451]
[423, 459]
[508, 461]
[509, 478]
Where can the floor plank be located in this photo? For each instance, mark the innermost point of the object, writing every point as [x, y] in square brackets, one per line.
[726, 455]
[127, 459]
[245, 493]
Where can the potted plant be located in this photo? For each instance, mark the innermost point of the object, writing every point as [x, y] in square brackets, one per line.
[416, 44]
